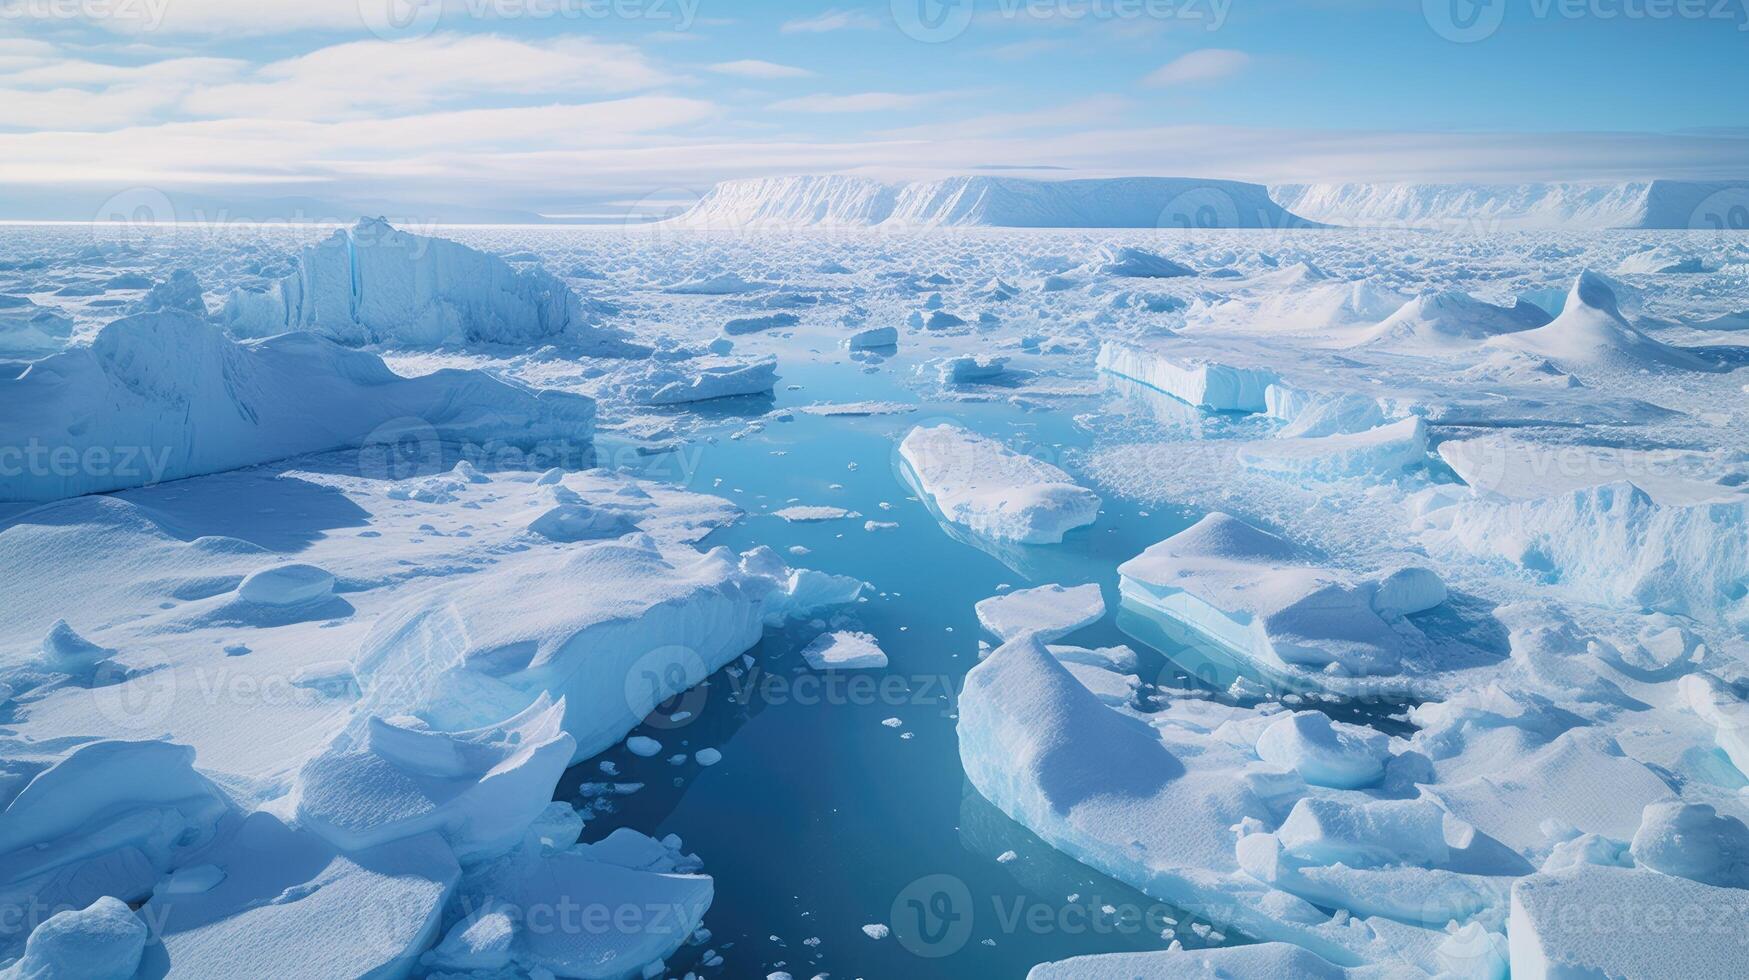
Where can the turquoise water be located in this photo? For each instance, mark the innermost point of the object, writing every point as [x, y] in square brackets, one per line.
[819, 819]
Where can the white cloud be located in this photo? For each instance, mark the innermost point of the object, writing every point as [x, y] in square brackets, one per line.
[859, 102]
[371, 76]
[831, 20]
[1204, 65]
[754, 68]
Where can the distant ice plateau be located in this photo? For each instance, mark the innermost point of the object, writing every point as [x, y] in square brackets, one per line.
[838, 201]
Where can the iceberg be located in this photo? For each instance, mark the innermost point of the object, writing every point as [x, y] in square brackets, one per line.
[164, 396]
[844, 650]
[1501, 207]
[1261, 598]
[707, 378]
[1199, 382]
[1049, 612]
[463, 659]
[375, 284]
[982, 485]
[990, 202]
[1136, 263]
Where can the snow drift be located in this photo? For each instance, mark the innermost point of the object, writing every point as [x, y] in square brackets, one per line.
[990, 202]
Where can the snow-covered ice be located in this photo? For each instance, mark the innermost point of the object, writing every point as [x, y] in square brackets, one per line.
[986, 487]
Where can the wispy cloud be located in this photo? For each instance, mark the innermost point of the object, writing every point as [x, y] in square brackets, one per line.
[831, 20]
[858, 102]
[1204, 65]
[754, 68]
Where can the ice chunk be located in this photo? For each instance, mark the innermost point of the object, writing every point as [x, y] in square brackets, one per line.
[1520, 469]
[163, 396]
[1365, 834]
[102, 941]
[982, 485]
[643, 746]
[652, 896]
[29, 330]
[1258, 596]
[1724, 711]
[802, 514]
[1664, 260]
[844, 650]
[1593, 921]
[108, 818]
[1326, 753]
[481, 789]
[1615, 545]
[1385, 450]
[1200, 382]
[1144, 805]
[1138, 263]
[971, 368]
[1048, 612]
[755, 324]
[374, 284]
[180, 292]
[479, 942]
[872, 338]
[1694, 841]
[705, 378]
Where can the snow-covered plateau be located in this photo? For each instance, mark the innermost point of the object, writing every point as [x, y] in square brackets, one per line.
[1146, 599]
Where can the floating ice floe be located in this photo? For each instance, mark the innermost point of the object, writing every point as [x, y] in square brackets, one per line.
[872, 338]
[986, 487]
[844, 650]
[971, 368]
[1048, 612]
[706, 378]
[163, 396]
[1202, 383]
[374, 284]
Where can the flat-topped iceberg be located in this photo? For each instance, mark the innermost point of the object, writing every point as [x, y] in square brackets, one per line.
[1203, 383]
[163, 396]
[1494, 207]
[986, 487]
[375, 284]
[996, 202]
[1263, 599]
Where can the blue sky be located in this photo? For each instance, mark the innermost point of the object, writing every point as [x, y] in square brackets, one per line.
[607, 106]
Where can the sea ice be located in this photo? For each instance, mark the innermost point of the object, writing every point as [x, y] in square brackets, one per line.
[844, 650]
[982, 485]
[1048, 612]
[163, 396]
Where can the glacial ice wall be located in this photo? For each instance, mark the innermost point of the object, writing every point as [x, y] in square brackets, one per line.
[1700, 205]
[988, 202]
